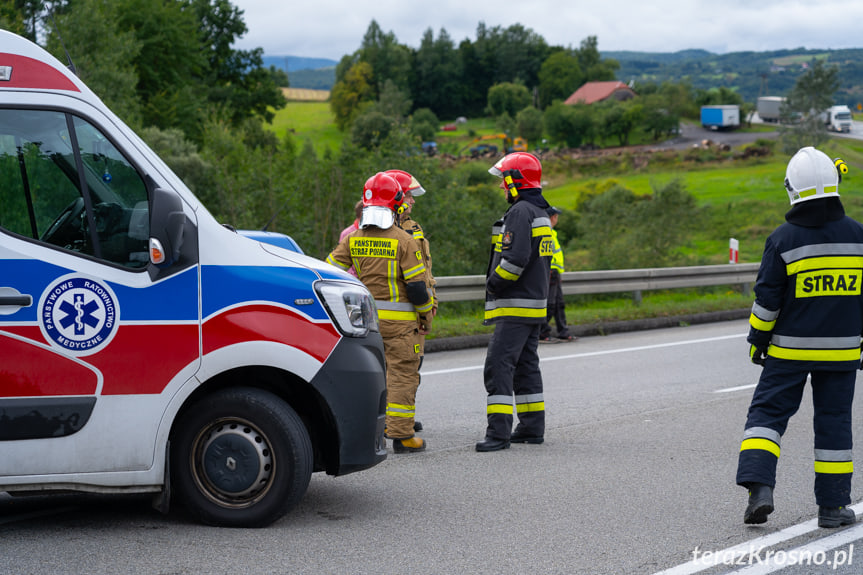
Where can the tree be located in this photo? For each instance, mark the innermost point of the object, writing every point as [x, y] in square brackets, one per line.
[11, 18]
[505, 124]
[424, 124]
[349, 94]
[619, 119]
[103, 54]
[507, 97]
[717, 97]
[437, 75]
[800, 115]
[474, 82]
[393, 102]
[388, 59]
[234, 78]
[622, 230]
[570, 125]
[594, 68]
[529, 124]
[659, 118]
[559, 76]
[370, 129]
[279, 77]
[31, 12]
[170, 63]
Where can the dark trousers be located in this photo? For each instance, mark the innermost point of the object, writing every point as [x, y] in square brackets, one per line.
[556, 309]
[777, 397]
[512, 367]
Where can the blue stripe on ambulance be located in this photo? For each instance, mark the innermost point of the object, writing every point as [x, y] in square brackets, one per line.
[159, 301]
[227, 286]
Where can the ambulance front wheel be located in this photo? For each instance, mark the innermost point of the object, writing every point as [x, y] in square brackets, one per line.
[240, 458]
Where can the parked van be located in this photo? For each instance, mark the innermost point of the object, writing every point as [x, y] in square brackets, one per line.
[145, 347]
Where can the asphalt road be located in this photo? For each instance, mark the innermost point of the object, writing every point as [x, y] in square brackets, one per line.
[636, 475]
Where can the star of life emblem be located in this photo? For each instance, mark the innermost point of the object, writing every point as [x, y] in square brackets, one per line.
[79, 315]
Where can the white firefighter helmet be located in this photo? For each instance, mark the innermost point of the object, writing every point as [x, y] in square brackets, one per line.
[811, 175]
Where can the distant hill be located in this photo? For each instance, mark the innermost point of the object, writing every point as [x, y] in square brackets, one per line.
[751, 74]
[294, 63]
[308, 73]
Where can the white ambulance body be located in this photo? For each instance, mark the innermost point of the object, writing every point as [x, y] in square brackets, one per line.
[144, 347]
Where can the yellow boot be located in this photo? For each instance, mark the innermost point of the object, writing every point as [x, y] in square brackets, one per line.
[409, 445]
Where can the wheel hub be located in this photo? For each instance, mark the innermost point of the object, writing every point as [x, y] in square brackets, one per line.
[236, 461]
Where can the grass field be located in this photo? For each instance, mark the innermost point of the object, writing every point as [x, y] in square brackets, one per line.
[308, 121]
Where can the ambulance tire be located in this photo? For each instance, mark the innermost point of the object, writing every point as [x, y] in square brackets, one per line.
[240, 458]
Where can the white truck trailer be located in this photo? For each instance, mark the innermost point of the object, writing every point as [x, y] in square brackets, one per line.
[768, 108]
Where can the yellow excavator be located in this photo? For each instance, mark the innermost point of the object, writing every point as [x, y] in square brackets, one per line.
[478, 148]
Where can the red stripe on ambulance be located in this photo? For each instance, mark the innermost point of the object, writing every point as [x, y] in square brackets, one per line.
[40, 372]
[269, 323]
[30, 73]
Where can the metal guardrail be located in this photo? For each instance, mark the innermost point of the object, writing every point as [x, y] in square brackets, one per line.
[468, 288]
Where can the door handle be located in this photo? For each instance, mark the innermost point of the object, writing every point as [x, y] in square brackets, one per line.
[19, 300]
[11, 299]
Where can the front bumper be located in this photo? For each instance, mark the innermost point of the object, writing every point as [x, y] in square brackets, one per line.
[353, 383]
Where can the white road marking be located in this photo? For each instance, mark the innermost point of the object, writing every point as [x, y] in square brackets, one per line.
[755, 548]
[738, 388]
[598, 353]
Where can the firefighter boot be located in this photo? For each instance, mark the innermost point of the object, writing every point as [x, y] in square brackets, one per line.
[409, 445]
[760, 504]
[831, 517]
[492, 444]
[519, 436]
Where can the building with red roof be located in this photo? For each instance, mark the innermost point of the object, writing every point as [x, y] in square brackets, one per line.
[593, 92]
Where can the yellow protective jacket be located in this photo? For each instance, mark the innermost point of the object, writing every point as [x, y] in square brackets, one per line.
[557, 255]
[390, 264]
[410, 225]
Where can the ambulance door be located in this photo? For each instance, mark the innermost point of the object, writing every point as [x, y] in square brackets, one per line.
[92, 335]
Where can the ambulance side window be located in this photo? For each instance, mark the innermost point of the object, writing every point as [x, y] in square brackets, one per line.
[62, 182]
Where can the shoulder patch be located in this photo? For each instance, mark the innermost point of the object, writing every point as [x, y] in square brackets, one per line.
[506, 238]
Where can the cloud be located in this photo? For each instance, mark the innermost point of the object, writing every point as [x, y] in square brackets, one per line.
[334, 28]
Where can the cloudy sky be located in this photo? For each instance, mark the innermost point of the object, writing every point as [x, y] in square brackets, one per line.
[333, 28]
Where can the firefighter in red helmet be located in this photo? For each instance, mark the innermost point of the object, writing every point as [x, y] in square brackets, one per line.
[389, 262]
[516, 297]
[413, 189]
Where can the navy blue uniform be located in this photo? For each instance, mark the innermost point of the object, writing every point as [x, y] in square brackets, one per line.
[516, 294]
[807, 319]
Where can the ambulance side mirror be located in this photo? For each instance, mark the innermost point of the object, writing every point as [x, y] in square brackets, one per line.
[167, 221]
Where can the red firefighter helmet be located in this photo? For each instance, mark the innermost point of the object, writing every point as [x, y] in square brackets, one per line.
[382, 199]
[407, 182]
[524, 169]
[383, 190]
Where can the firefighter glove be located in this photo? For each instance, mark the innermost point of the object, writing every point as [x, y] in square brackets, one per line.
[757, 354]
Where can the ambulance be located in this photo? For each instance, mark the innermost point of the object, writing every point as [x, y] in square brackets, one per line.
[147, 348]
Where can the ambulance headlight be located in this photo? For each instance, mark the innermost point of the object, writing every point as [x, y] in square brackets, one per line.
[351, 306]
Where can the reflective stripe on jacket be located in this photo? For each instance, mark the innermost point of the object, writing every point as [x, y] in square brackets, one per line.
[809, 302]
[517, 277]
